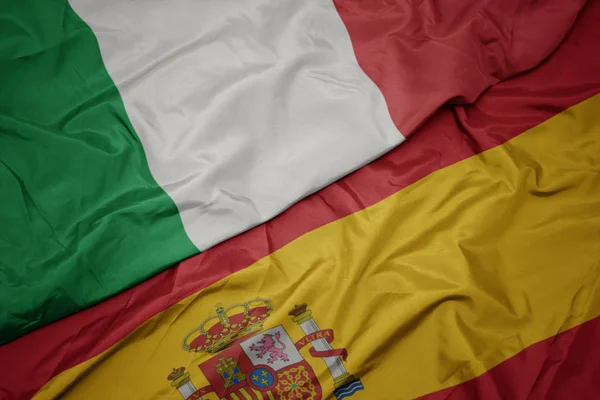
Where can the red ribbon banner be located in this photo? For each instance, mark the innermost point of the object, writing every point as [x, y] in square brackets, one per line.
[327, 335]
[201, 392]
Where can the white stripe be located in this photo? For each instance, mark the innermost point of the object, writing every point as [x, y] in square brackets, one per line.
[348, 391]
[343, 396]
[350, 387]
[243, 107]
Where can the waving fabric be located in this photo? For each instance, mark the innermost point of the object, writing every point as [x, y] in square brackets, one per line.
[204, 200]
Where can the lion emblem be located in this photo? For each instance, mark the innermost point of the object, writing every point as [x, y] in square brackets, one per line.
[274, 347]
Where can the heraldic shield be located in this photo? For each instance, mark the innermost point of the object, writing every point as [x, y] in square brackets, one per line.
[267, 365]
[251, 363]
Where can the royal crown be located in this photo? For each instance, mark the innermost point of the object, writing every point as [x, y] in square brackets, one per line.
[228, 325]
[176, 373]
[300, 313]
[298, 310]
[178, 377]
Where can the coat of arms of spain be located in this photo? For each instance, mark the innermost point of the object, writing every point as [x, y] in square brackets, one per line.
[248, 362]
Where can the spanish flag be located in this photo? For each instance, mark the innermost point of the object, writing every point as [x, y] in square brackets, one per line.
[299, 200]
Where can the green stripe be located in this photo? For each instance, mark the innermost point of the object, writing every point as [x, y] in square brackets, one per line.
[81, 217]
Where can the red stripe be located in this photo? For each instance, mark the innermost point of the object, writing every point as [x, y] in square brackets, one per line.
[566, 366]
[423, 54]
[453, 134]
[251, 393]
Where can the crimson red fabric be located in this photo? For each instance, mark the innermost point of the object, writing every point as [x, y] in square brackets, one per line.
[566, 366]
[453, 134]
[425, 53]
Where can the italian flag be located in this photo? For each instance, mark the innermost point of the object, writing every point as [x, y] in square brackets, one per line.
[400, 198]
[136, 135]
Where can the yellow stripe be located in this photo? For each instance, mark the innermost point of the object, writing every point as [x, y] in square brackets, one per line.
[245, 394]
[258, 394]
[270, 395]
[234, 396]
[426, 289]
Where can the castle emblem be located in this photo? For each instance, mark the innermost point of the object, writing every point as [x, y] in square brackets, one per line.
[249, 362]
